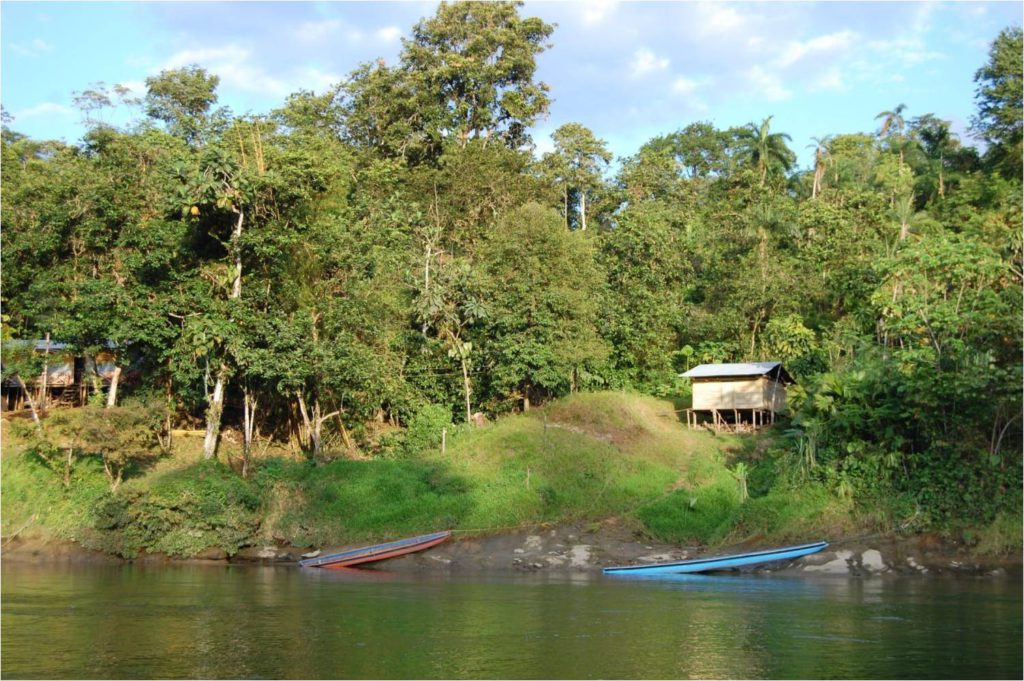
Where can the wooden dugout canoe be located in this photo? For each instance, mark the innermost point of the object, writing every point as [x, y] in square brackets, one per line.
[719, 562]
[370, 554]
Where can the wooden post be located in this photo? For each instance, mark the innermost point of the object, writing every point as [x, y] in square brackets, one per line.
[46, 373]
[444, 441]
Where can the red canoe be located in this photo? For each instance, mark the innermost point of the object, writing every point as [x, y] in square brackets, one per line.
[370, 554]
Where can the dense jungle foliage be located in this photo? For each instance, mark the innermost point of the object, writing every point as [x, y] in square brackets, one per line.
[394, 252]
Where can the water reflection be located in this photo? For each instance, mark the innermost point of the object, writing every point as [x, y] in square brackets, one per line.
[216, 622]
[739, 583]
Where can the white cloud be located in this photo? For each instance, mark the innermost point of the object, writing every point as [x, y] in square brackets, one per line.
[316, 80]
[208, 55]
[645, 61]
[766, 84]
[832, 43]
[315, 31]
[44, 110]
[596, 11]
[31, 49]
[905, 51]
[232, 64]
[718, 18]
[682, 85]
[137, 87]
[543, 144]
[830, 80]
[388, 34]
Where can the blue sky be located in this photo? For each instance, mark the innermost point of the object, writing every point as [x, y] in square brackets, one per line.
[627, 70]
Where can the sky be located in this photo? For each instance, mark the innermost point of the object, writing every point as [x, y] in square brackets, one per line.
[629, 71]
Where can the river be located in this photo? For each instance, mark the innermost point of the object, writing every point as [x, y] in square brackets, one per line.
[198, 621]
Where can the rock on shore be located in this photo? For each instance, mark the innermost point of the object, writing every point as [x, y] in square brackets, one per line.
[588, 548]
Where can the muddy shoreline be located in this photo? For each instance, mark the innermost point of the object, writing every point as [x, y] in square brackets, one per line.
[579, 548]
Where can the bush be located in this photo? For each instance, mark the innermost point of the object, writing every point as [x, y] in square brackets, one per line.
[425, 428]
[181, 513]
[1002, 536]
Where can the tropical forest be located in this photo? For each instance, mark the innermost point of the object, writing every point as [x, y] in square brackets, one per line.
[381, 310]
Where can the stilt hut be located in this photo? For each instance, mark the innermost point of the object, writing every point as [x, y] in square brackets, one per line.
[737, 396]
[65, 379]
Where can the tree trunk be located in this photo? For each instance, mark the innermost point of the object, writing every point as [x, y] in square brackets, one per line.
[753, 332]
[115, 480]
[313, 425]
[942, 184]
[467, 388]
[236, 246]
[314, 433]
[213, 413]
[216, 408]
[112, 393]
[565, 204]
[305, 434]
[248, 426]
[28, 398]
[67, 468]
[46, 375]
[350, 446]
[583, 210]
[819, 174]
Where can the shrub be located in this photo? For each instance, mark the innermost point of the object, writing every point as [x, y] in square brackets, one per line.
[425, 428]
[181, 513]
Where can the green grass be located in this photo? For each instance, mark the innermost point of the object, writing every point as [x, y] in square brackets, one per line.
[585, 458]
[35, 501]
[581, 459]
[1003, 536]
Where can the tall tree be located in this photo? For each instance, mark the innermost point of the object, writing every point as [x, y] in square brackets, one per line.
[1000, 118]
[472, 65]
[182, 99]
[765, 150]
[893, 128]
[542, 291]
[821, 157]
[577, 164]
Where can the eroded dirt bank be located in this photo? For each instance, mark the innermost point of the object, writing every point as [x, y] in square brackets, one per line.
[583, 548]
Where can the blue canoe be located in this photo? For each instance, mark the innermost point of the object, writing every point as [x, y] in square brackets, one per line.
[719, 562]
[371, 554]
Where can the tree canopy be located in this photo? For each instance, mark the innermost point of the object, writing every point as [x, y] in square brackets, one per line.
[393, 246]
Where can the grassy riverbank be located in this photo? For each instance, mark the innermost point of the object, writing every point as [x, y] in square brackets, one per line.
[582, 459]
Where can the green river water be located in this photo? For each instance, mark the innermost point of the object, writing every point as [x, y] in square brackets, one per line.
[192, 621]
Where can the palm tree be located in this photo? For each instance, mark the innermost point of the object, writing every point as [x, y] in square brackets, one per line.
[763, 149]
[893, 125]
[821, 156]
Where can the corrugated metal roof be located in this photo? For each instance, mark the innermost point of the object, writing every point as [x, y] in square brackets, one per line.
[742, 369]
[54, 346]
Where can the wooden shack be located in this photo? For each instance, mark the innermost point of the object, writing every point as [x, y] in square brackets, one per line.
[66, 379]
[737, 396]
